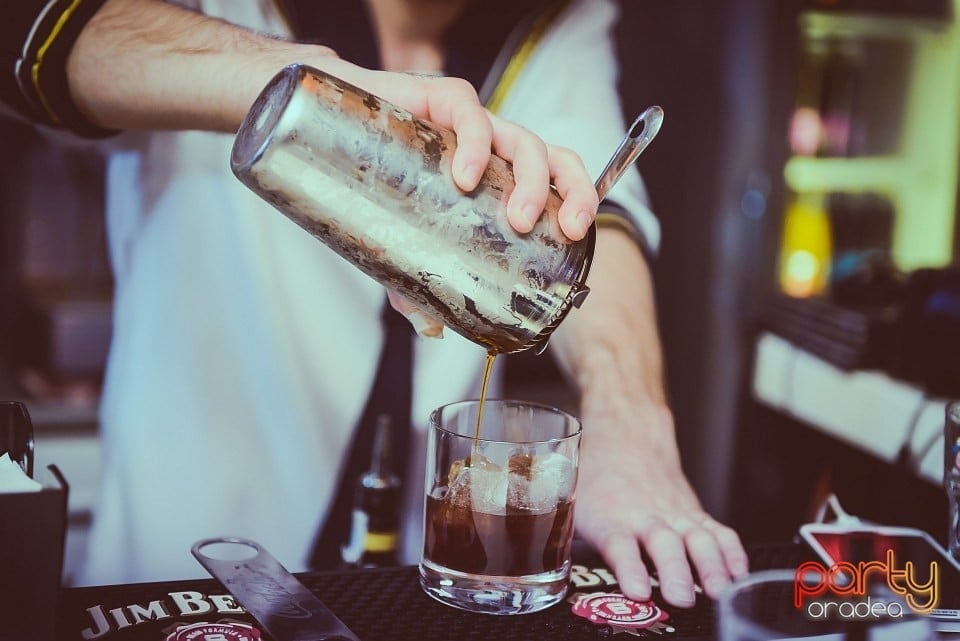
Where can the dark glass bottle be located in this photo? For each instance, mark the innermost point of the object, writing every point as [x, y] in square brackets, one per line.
[376, 510]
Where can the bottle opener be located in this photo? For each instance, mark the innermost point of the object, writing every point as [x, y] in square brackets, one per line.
[273, 596]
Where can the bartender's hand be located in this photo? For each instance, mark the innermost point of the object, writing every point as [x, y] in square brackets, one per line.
[147, 64]
[632, 493]
[453, 103]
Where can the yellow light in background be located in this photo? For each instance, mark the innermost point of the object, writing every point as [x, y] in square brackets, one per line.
[806, 248]
[920, 175]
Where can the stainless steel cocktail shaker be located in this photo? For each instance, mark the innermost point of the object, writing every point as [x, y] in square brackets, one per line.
[374, 184]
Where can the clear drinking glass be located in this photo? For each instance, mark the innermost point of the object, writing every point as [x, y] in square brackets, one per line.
[499, 508]
[951, 475]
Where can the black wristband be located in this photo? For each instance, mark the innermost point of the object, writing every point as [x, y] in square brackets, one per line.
[42, 73]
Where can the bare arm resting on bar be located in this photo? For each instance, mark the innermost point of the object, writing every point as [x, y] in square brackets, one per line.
[147, 64]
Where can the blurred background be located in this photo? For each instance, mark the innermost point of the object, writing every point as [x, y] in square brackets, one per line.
[806, 180]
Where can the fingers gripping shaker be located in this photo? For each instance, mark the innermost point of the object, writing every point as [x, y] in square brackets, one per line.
[374, 184]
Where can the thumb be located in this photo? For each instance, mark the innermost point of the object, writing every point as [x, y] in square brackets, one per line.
[424, 324]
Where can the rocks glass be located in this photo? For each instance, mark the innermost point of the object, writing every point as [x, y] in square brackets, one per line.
[499, 507]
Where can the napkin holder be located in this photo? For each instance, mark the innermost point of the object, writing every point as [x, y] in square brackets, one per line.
[32, 535]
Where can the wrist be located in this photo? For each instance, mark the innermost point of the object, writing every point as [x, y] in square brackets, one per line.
[612, 363]
[611, 395]
[263, 59]
[631, 418]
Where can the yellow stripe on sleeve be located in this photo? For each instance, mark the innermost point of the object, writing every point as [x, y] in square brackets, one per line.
[520, 58]
[41, 52]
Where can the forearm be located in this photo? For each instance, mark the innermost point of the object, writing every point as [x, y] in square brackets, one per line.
[632, 492]
[610, 348]
[147, 64]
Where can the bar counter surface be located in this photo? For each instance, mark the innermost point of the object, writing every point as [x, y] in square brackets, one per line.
[387, 605]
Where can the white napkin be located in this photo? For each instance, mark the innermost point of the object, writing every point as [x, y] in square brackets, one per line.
[14, 479]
